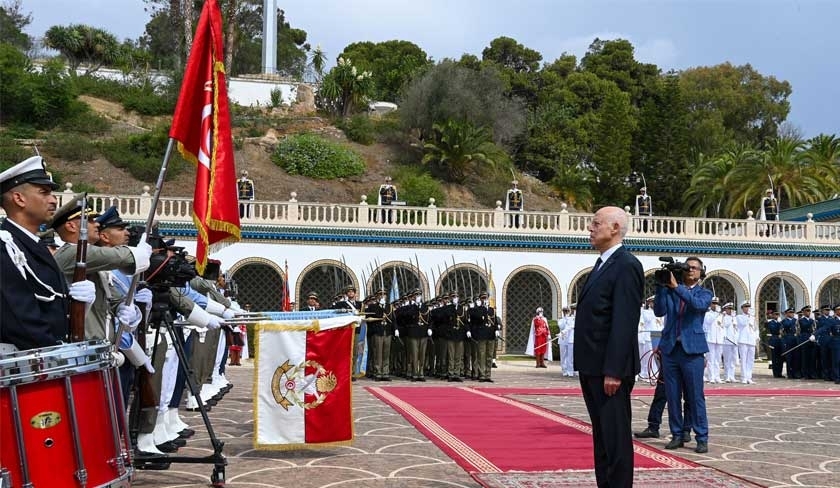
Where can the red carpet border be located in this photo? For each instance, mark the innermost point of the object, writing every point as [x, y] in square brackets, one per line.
[646, 391]
[642, 478]
[486, 433]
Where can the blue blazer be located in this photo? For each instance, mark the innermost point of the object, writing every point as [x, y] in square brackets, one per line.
[607, 320]
[667, 303]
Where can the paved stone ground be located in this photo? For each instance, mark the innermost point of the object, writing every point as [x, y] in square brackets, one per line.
[778, 441]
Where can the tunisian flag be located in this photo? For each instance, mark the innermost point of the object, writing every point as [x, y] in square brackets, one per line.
[302, 383]
[201, 126]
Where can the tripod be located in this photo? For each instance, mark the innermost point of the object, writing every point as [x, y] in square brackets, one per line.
[160, 319]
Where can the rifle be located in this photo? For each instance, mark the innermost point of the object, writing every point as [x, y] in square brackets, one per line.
[77, 308]
[148, 399]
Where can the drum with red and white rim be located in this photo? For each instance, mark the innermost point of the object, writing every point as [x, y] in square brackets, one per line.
[64, 426]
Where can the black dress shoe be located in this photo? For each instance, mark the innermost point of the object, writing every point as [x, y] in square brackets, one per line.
[421, 379]
[675, 443]
[686, 437]
[186, 433]
[385, 378]
[494, 365]
[702, 447]
[167, 447]
[179, 442]
[647, 434]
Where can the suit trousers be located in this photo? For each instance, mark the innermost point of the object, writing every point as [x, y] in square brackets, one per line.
[611, 432]
[684, 375]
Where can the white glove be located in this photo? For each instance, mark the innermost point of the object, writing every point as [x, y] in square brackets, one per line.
[214, 322]
[429, 332]
[396, 333]
[469, 335]
[228, 314]
[117, 358]
[813, 338]
[83, 291]
[235, 306]
[143, 296]
[199, 316]
[141, 254]
[498, 334]
[129, 315]
[148, 366]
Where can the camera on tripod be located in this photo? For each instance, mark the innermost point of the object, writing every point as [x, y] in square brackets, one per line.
[670, 266]
[168, 265]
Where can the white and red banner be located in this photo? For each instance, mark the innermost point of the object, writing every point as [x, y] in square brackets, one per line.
[201, 125]
[302, 383]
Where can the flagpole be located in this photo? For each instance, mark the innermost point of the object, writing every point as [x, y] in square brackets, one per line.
[135, 280]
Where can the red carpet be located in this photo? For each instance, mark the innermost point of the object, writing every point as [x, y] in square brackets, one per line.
[486, 433]
[647, 391]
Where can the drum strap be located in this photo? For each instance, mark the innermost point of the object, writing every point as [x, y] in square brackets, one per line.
[19, 259]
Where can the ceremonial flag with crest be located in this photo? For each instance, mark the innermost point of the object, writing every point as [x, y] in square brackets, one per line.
[201, 125]
[302, 383]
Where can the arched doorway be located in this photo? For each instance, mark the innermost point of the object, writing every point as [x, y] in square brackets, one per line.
[258, 282]
[525, 291]
[326, 278]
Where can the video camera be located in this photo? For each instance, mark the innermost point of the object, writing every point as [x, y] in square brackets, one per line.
[670, 266]
[168, 265]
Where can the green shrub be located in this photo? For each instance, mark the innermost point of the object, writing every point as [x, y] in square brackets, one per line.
[142, 97]
[41, 99]
[358, 128]
[142, 154]
[71, 147]
[11, 153]
[388, 129]
[276, 97]
[312, 156]
[415, 187]
[87, 122]
[20, 131]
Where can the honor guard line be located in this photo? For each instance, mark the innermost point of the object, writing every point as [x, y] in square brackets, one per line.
[466, 250]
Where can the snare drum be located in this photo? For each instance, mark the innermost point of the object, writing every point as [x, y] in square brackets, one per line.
[63, 427]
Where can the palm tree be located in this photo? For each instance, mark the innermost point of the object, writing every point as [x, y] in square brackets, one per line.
[319, 61]
[714, 188]
[457, 146]
[823, 157]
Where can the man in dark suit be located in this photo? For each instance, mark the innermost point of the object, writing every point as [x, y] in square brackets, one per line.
[683, 345]
[606, 352]
[34, 304]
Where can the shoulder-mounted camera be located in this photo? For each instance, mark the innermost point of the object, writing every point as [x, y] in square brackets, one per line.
[670, 266]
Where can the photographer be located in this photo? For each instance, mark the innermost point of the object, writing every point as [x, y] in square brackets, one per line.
[683, 345]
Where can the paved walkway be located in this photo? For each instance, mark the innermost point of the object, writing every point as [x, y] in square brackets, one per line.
[777, 441]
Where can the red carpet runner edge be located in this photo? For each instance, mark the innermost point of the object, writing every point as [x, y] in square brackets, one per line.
[486, 433]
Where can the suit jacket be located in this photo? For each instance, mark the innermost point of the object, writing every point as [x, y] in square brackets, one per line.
[667, 302]
[25, 321]
[607, 320]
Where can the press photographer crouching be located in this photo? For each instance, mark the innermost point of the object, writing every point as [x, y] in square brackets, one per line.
[683, 302]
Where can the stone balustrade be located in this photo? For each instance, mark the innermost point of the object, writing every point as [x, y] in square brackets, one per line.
[437, 219]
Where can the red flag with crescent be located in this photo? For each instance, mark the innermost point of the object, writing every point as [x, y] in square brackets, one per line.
[201, 125]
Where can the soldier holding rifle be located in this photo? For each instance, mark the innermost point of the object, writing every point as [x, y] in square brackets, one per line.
[35, 297]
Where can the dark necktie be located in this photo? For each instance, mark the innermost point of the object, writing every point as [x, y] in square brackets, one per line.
[679, 320]
[597, 266]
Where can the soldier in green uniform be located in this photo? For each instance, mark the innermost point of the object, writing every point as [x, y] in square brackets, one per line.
[67, 224]
[484, 331]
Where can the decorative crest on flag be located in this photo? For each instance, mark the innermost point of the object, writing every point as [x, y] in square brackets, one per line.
[291, 383]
